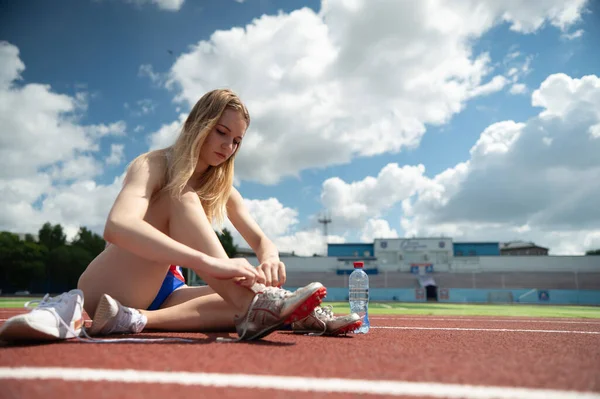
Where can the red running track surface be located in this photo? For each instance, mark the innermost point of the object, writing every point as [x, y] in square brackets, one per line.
[556, 354]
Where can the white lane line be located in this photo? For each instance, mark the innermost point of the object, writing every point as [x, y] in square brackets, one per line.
[487, 329]
[464, 329]
[353, 386]
[596, 321]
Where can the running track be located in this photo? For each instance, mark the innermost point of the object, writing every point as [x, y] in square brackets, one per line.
[402, 356]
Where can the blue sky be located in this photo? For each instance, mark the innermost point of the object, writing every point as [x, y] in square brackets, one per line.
[347, 100]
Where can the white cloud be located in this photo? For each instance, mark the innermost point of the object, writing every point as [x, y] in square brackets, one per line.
[306, 243]
[83, 203]
[148, 70]
[574, 35]
[46, 155]
[167, 134]
[352, 204]
[517, 66]
[101, 130]
[528, 16]
[494, 85]
[377, 228]
[536, 174]
[595, 131]
[116, 154]
[559, 94]
[280, 224]
[166, 5]
[77, 168]
[12, 66]
[592, 241]
[273, 218]
[358, 78]
[518, 88]
[497, 138]
[144, 107]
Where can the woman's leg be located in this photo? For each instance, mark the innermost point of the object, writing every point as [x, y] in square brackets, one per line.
[189, 225]
[192, 309]
[198, 308]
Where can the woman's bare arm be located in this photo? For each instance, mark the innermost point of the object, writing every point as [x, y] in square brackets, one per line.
[271, 268]
[127, 228]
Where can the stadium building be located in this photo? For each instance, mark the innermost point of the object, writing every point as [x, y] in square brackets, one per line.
[438, 269]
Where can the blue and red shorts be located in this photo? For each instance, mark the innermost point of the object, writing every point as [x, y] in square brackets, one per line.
[173, 280]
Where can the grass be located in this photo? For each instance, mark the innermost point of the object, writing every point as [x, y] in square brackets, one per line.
[454, 309]
[15, 302]
[435, 309]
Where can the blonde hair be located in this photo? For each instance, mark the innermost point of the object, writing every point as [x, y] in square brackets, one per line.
[215, 184]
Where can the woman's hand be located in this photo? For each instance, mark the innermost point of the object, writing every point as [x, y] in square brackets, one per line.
[236, 268]
[271, 272]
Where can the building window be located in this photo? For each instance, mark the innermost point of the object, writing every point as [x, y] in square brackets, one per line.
[355, 253]
[367, 253]
[459, 253]
[472, 253]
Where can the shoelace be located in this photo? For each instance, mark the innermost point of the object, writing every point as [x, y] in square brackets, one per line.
[47, 302]
[325, 311]
[271, 293]
[276, 293]
[245, 324]
[323, 314]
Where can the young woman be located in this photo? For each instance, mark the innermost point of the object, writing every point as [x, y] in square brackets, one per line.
[163, 217]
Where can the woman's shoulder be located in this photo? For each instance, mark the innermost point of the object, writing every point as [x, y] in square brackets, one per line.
[153, 160]
[150, 166]
[234, 196]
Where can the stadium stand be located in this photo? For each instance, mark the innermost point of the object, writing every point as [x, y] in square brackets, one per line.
[491, 280]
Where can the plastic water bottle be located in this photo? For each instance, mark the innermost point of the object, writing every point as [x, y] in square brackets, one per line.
[359, 296]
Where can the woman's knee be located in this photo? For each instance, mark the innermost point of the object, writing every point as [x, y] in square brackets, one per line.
[188, 219]
[188, 197]
[188, 200]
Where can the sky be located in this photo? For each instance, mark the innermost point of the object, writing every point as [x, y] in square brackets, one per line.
[476, 120]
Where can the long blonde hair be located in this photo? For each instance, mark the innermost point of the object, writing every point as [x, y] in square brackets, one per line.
[214, 185]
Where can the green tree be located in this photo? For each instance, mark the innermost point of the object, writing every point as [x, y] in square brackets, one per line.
[64, 266]
[227, 241]
[21, 262]
[89, 241]
[30, 266]
[52, 236]
[593, 252]
[78, 259]
[9, 255]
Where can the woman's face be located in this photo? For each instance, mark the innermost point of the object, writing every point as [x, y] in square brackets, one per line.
[224, 139]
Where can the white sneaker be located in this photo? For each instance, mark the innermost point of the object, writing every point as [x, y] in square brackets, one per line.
[113, 318]
[54, 318]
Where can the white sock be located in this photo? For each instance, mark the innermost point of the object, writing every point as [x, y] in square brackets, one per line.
[138, 321]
